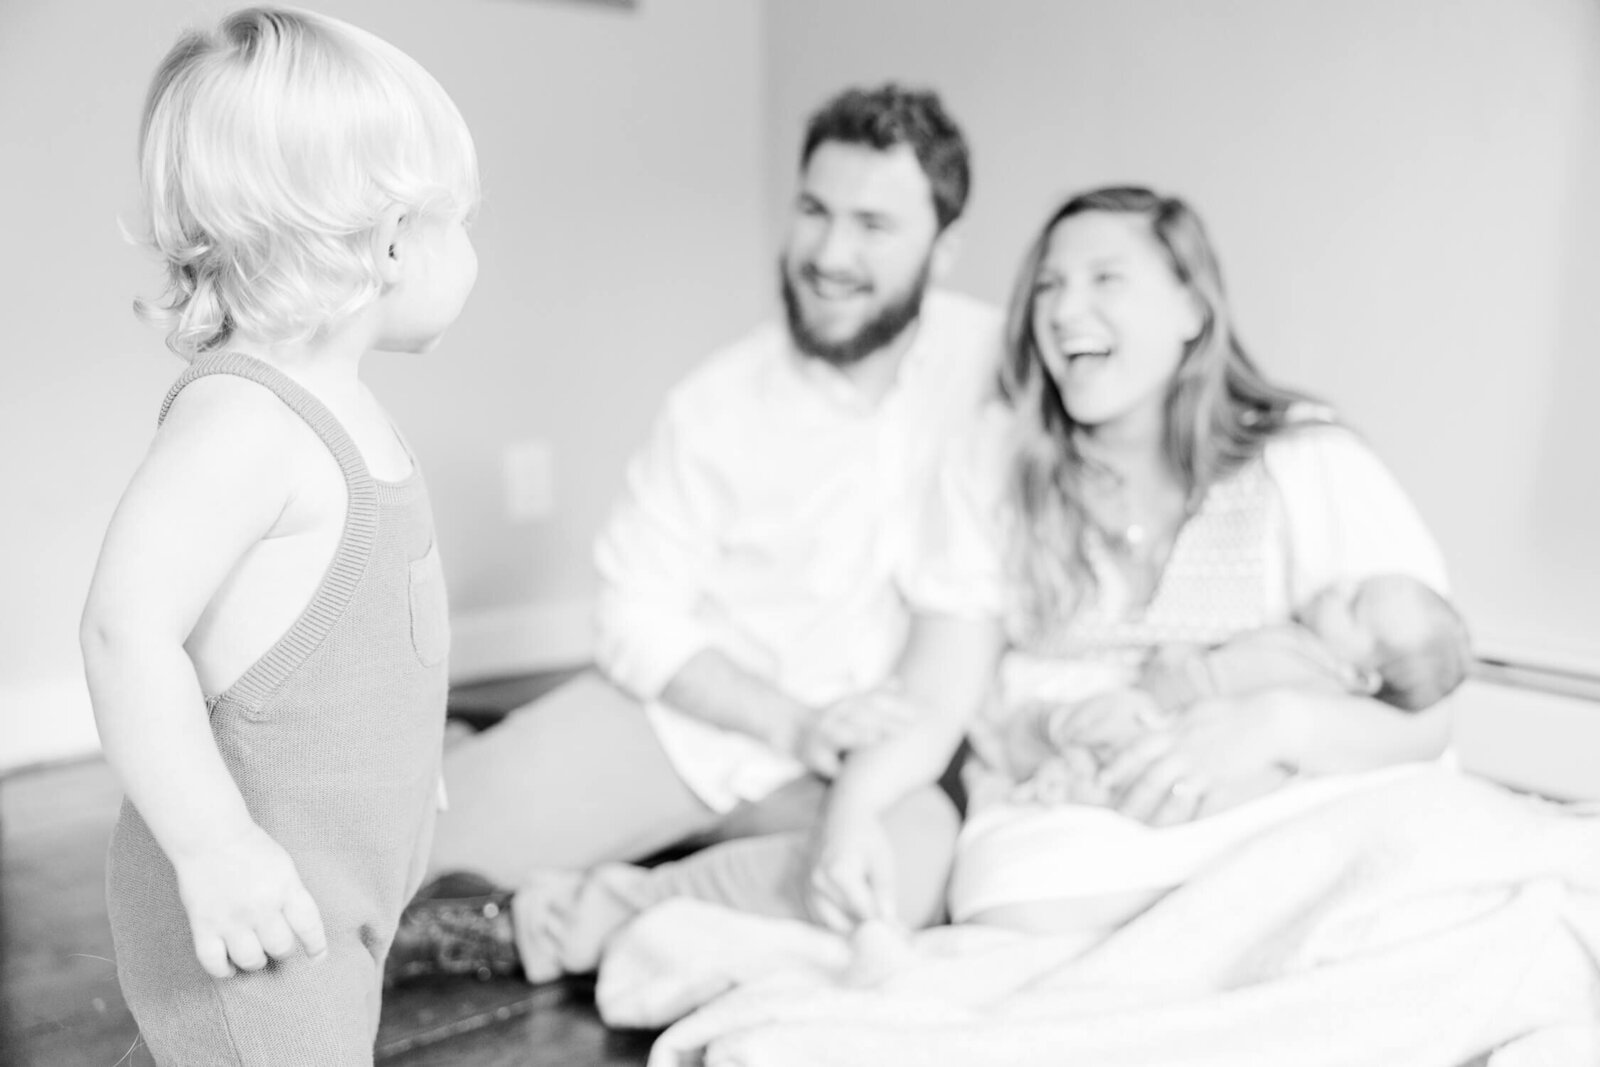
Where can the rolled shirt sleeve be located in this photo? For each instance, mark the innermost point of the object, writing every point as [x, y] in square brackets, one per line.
[653, 558]
[957, 565]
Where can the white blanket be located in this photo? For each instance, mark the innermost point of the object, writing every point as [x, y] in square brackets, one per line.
[1419, 924]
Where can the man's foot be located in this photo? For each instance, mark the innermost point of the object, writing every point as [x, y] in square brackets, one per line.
[544, 914]
[458, 925]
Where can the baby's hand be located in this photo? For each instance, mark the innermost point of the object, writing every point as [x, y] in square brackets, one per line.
[245, 903]
[1106, 723]
[1069, 778]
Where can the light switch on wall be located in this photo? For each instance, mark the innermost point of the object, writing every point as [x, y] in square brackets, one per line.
[529, 470]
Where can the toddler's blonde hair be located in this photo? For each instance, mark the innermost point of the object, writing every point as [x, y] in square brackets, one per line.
[270, 149]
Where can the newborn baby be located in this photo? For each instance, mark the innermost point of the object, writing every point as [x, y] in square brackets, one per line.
[1390, 636]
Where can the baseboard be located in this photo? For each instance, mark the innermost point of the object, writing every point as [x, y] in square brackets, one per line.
[521, 639]
[51, 721]
[1540, 659]
[1531, 736]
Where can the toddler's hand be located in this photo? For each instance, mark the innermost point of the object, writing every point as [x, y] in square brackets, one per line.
[245, 903]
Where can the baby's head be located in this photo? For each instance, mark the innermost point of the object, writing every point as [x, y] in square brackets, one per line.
[272, 149]
[1398, 631]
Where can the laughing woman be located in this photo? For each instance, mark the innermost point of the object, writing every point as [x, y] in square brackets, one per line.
[1141, 485]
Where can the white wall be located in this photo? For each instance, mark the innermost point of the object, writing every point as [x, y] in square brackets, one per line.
[1403, 193]
[1397, 188]
[624, 218]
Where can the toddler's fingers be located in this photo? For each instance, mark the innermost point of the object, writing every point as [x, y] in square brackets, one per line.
[277, 940]
[305, 919]
[213, 956]
[245, 950]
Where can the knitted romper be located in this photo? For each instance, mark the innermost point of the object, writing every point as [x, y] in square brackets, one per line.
[334, 739]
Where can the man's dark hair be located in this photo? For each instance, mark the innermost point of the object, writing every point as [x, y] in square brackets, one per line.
[892, 115]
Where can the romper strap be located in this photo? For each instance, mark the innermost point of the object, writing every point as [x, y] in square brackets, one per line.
[349, 564]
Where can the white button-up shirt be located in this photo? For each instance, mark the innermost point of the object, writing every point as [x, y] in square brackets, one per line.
[768, 518]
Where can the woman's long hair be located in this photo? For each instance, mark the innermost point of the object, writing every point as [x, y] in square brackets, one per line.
[1219, 413]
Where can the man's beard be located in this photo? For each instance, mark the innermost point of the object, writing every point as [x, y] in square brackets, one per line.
[884, 326]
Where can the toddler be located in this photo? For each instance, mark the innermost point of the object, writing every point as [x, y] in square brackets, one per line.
[266, 633]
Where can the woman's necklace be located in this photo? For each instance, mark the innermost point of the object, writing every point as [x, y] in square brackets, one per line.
[1130, 539]
[1136, 530]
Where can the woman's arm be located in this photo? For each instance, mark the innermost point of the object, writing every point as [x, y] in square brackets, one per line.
[1227, 750]
[1346, 518]
[946, 671]
[1333, 733]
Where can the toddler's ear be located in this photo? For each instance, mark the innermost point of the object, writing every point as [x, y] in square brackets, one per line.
[387, 250]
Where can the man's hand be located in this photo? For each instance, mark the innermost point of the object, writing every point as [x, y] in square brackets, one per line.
[852, 874]
[851, 723]
[246, 903]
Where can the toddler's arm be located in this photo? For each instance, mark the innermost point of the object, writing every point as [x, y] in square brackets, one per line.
[214, 483]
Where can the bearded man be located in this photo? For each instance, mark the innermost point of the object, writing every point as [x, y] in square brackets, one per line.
[748, 613]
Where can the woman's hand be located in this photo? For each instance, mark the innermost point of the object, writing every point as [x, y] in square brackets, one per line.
[1219, 753]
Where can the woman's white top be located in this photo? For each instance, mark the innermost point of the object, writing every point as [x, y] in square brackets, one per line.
[1317, 508]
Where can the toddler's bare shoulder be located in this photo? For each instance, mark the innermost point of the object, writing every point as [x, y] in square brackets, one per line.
[237, 420]
[232, 439]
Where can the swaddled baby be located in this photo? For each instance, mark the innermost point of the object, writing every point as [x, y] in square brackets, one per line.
[1389, 636]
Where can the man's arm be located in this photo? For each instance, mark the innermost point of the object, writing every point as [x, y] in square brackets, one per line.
[656, 556]
[714, 688]
[947, 670]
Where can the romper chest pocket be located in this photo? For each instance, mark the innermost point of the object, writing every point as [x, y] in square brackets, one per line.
[430, 611]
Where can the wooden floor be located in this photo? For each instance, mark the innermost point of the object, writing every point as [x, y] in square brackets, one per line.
[59, 1001]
